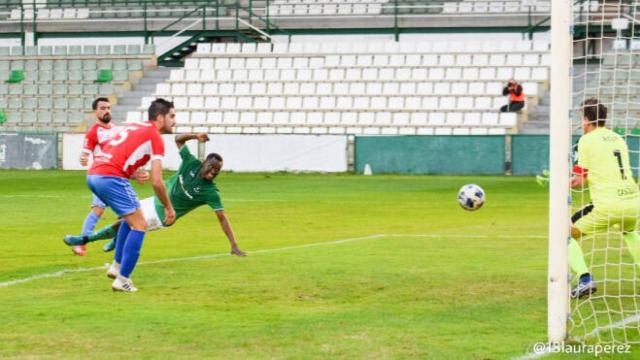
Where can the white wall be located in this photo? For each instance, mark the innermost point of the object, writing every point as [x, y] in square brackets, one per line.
[254, 153]
[72, 144]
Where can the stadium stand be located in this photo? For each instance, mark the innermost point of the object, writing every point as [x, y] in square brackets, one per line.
[52, 87]
[354, 88]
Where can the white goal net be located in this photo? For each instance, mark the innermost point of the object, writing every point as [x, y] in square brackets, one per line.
[606, 67]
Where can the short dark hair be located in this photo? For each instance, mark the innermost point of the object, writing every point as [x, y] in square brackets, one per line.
[159, 107]
[213, 158]
[594, 111]
[94, 104]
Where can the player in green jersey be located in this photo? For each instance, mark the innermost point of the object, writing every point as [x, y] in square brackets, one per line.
[603, 164]
[191, 187]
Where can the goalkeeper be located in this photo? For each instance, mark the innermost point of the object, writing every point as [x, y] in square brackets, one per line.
[603, 164]
[191, 187]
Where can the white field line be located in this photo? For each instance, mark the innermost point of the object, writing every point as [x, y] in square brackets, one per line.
[261, 251]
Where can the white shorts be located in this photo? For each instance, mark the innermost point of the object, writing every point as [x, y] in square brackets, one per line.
[148, 208]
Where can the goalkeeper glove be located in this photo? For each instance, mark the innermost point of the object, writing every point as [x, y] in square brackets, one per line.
[543, 179]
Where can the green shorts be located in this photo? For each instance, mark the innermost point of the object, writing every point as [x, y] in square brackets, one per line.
[592, 219]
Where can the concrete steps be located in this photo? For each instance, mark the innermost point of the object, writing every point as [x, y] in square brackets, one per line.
[146, 86]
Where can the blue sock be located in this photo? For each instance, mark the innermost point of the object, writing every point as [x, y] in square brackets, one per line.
[131, 252]
[90, 223]
[121, 238]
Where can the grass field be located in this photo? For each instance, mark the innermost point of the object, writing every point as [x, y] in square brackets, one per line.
[339, 266]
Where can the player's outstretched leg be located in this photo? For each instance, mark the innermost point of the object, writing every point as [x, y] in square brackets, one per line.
[586, 285]
[106, 232]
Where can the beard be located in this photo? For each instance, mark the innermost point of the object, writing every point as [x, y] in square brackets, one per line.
[106, 118]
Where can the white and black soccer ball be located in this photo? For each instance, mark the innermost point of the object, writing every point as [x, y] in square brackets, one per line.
[471, 197]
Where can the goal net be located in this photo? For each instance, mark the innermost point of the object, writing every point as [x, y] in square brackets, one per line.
[606, 66]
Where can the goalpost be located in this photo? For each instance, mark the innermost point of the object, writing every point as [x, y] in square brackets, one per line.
[559, 143]
[594, 54]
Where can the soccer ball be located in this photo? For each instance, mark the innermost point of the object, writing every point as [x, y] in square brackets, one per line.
[471, 197]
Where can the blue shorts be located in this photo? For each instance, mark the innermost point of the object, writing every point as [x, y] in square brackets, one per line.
[96, 202]
[115, 192]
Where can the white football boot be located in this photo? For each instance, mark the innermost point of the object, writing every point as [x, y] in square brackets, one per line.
[123, 284]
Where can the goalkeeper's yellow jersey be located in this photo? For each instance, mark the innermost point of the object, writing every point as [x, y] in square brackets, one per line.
[604, 154]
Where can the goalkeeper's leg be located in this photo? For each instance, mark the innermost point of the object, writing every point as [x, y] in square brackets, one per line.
[586, 285]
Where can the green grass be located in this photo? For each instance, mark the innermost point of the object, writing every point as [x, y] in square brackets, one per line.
[442, 283]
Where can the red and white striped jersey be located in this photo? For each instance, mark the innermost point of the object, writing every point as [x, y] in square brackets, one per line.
[131, 148]
[97, 135]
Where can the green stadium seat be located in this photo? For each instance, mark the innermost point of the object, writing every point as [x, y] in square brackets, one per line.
[3, 117]
[104, 76]
[16, 76]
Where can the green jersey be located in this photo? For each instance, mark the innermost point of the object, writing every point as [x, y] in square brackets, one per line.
[605, 156]
[187, 190]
